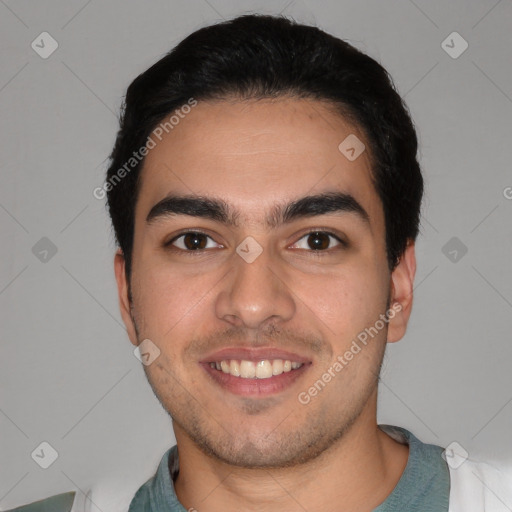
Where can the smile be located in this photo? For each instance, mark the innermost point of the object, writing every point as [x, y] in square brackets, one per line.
[264, 369]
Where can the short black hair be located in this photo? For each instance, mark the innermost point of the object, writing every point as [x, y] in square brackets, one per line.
[259, 56]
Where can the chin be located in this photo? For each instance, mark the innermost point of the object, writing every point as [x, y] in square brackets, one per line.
[284, 451]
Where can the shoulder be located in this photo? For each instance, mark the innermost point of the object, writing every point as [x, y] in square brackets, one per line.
[113, 493]
[481, 485]
[119, 494]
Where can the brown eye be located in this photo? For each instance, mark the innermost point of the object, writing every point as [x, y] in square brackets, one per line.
[318, 241]
[193, 241]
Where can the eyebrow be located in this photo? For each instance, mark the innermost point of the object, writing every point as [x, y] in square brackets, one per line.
[220, 211]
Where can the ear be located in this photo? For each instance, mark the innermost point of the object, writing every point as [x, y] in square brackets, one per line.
[124, 300]
[402, 281]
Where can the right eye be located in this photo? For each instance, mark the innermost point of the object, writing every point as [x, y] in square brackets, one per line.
[193, 241]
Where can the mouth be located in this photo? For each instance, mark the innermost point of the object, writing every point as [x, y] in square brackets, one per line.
[255, 372]
[264, 369]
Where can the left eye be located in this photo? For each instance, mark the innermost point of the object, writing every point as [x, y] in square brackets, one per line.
[193, 241]
[317, 241]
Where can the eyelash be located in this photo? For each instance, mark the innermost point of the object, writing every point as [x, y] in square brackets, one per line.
[197, 252]
[342, 242]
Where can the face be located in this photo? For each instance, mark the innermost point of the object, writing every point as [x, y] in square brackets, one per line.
[259, 249]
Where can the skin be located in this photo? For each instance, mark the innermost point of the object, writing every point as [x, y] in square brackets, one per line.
[252, 453]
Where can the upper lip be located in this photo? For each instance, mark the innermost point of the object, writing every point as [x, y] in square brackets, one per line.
[253, 354]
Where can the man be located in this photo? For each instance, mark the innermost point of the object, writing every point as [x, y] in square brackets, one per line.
[265, 195]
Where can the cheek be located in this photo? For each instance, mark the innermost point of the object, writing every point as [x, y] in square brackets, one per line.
[167, 301]
[345, 301]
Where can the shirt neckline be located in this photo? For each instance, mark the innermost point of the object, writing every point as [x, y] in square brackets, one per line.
[163, 486]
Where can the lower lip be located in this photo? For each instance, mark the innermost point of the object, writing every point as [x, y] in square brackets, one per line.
[255, 387]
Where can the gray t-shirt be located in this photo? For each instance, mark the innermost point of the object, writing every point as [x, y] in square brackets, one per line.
[423, 487]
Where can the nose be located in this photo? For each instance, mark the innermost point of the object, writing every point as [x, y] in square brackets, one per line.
[255, 294]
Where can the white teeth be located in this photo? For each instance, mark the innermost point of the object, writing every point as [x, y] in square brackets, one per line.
[263, 369]
[247, 369]
[234, 368]
[277, 367]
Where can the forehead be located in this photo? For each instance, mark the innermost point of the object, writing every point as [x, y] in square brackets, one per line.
[254, 154]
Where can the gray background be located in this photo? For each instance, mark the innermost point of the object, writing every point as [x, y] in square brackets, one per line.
[68, 375]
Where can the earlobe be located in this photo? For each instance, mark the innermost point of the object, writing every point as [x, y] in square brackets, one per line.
[123, 296]
[402, 283]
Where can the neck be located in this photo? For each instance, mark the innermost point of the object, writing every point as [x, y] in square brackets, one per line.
[358, 472]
